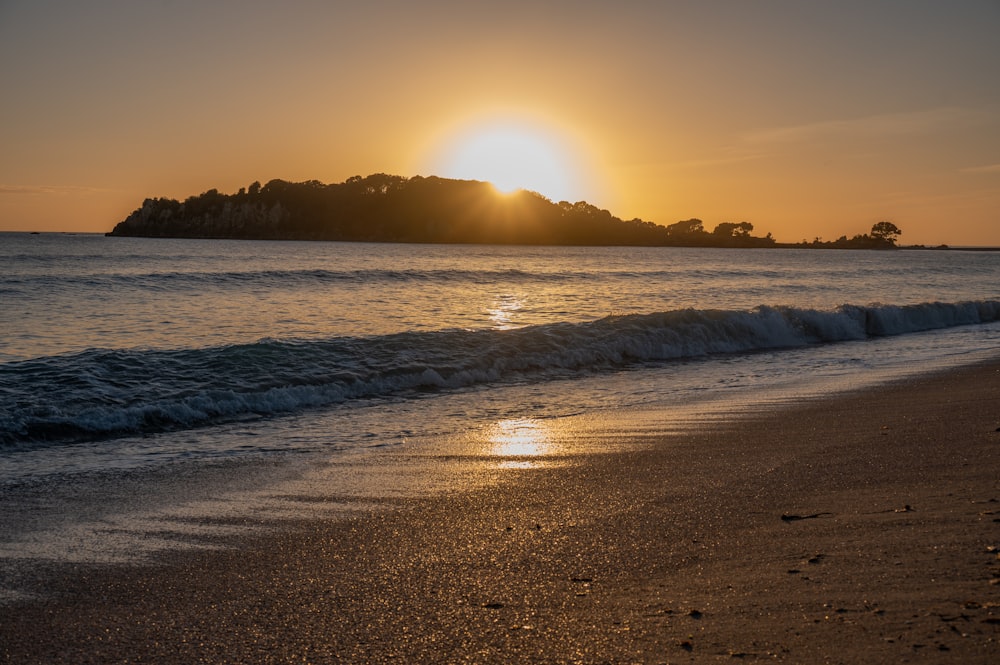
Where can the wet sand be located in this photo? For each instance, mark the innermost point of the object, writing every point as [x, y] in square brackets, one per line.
[860, 528]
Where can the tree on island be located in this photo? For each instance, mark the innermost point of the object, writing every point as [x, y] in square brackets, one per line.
[885, 232]
[689, 227]
[733, 230]
[692, 233]
[882, 236]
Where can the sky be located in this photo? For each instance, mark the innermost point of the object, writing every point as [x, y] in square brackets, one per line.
[807, 119]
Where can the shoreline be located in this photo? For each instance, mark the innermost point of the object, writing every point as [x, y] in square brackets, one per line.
[780, 245]
[854, 528]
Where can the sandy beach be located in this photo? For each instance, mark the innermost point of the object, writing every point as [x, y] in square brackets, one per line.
[860, 528]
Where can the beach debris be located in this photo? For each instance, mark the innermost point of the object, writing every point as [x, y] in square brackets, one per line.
[492, 606]
[786, 517]
[907, 508]
[585, 582]
[686, 645]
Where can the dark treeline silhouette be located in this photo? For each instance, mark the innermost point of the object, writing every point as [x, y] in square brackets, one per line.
[389, 208]
[882, 236]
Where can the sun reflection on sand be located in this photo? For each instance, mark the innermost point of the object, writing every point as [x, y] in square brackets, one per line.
[516, 439]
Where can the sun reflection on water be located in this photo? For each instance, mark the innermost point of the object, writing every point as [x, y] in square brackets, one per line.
[516, 439]
[503, 310]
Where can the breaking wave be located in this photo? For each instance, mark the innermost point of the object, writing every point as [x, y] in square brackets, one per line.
[99, 393]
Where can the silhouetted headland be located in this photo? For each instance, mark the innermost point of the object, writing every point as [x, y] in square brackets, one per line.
[389, 208]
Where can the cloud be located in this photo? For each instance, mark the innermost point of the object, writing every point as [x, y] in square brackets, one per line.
[989, 168]
[893, 124]
[49, 190]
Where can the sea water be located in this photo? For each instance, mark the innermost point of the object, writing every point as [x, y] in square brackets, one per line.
[124, 360]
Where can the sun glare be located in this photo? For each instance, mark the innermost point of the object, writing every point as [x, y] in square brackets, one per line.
[512, 156]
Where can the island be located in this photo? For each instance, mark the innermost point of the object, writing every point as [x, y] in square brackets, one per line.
[391, 208]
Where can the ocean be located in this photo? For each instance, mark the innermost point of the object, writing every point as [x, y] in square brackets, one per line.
[150, 385]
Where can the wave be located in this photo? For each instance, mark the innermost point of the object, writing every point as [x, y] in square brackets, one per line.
[168, 280]
[108, 393]
[199, 280]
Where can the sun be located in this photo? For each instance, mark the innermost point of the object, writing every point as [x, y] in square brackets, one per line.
[512, 155]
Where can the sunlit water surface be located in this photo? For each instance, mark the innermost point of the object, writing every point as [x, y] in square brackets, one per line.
[147, 385]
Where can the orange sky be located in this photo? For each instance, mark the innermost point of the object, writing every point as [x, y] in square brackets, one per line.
[806, 119]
